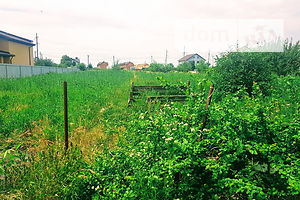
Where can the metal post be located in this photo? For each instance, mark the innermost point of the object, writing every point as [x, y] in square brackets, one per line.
[66, 116]
[20, 71]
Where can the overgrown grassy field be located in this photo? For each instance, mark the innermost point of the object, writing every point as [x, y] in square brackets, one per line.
[31, 121]
[249, 148]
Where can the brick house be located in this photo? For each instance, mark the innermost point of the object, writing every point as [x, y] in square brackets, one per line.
[102, 65]
[126, 65]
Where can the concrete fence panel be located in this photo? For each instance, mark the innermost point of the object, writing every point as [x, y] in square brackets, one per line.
[3, 71]
[26, 71]
[36, 70]
[46, 70]
[52, 69]
[15, 71]
[60, 70]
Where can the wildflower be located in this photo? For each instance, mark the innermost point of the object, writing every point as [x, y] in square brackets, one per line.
[168, 139]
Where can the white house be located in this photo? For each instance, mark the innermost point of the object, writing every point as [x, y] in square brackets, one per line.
[193, 58]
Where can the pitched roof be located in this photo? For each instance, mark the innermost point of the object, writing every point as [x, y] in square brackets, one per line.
[103, 62]
[14, 38]
[141, 66]
[185, 58]
[125, 63]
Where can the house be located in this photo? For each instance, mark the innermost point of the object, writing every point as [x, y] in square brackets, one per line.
[75, 61]
[193, 58]
[15, 49]
[126, 65]
[102, 65]
[141, 66]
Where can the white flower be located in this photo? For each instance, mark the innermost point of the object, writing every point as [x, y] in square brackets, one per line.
[192, 129]
[168, 139]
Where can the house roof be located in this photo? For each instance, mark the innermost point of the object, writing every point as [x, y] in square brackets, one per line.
[185, 58]
[125, 63]
[6, 54]
[14, 38]
[141, 66]
[103, 62]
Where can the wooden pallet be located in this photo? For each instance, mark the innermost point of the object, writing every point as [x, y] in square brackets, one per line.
[166, 94]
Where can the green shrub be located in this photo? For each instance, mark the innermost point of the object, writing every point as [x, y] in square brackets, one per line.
[44, 62]
[286, 62]
[68, 61]
[156, 67]
[249, 150]
[202, 66]
[184, 67]
[81, 66]
[238, 70]
[116, 67]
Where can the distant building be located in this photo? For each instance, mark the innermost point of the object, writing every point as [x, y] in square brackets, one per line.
[193, 58]
[102, 65]
[126, 65]
[75, 61]
[15, 49]
[141, 66]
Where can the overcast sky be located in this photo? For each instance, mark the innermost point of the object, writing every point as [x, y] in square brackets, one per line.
[135, 30]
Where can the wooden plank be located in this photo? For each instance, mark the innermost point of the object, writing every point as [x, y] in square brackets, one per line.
[171, 98]
[154, 87]
[174, 93]
[208, 101]
[137, 93]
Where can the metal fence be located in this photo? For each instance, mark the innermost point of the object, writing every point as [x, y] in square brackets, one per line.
[15, 71]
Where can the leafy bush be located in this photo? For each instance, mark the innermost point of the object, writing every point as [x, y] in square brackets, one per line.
[238, 70]
[184, 67]
[286, 62]
[156, 67]
[202, 66]
[44, 62]
[249, 150]
[81, 66]
[116, 67]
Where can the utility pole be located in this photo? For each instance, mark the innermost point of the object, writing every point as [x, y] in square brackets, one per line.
[114, 60]
[37, 45]
[183, 51]
[208, 57]
[151, 59]
[88, 59]
[166, 60]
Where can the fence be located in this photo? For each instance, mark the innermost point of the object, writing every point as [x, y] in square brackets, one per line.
[15, 71]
